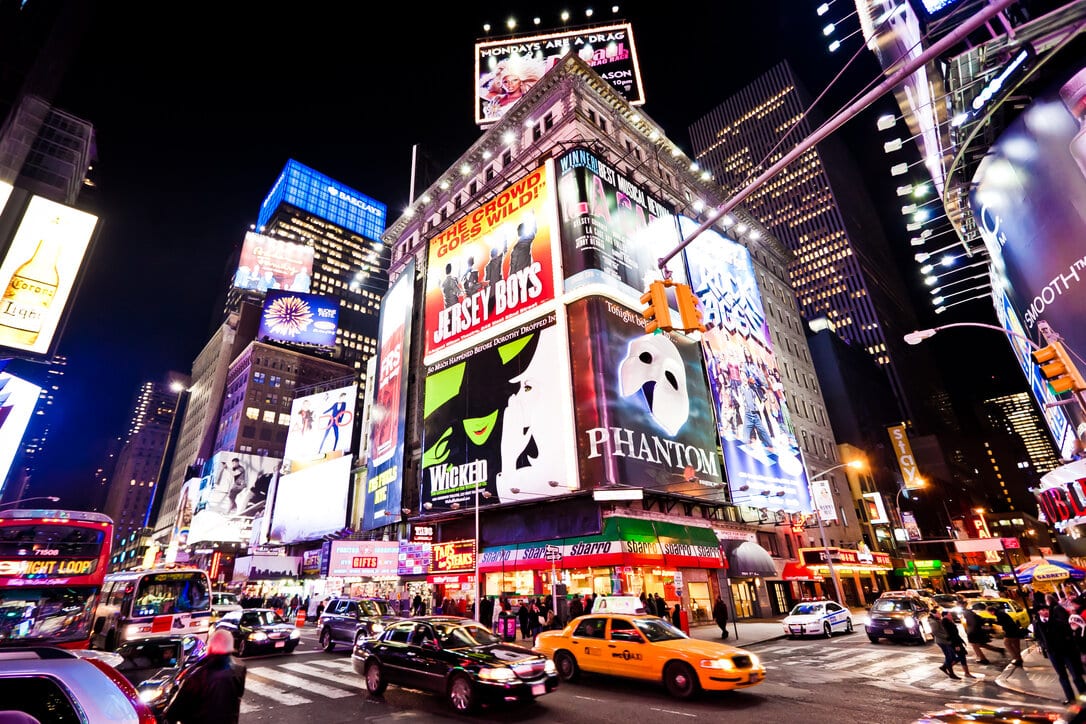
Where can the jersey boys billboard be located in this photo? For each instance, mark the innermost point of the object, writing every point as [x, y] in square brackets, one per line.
[643, 414]
[496, 418]
[760, 449]
[491, 265]
[384, 469]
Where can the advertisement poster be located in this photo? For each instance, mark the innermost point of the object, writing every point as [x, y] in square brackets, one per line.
[38, 272]
[299, 318]
[495, 419]
[186, 502]
[823, 500]
[232, 491]
[384, 468]
[507, 69]
[761, 453]
[18, 400]
[321, 426]
[613, 233]
[642, 408]
[269, 263]
[364, 558]
[311, 503]
[491, 265]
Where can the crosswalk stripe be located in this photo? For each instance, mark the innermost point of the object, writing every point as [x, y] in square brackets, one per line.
[352, 680]
[340, 664]
[258, 686]
[310, 686]
[856, 659]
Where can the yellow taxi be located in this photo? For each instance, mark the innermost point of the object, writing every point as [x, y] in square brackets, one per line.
[1015, 610]
[649, 648]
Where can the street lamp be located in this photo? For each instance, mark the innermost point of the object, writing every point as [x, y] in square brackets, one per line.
[919, 335]
[856, 465]
[51, 498]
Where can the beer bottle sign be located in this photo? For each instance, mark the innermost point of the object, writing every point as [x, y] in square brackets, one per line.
[30, 292]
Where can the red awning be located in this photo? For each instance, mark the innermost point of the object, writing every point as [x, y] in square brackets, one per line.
[798, 572]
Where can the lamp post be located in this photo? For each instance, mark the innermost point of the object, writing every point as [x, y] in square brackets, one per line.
[919, 335]
[855, 464]
[51, 498]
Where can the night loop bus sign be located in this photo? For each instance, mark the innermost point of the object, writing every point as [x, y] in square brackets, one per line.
[26, 568]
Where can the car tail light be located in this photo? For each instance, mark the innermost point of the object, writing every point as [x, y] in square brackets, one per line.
[143, 711]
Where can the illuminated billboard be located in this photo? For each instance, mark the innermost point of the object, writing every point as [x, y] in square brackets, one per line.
[642, 409]
[321, 427]
[384, 467]
[38, 272]
[299, 318]
[311, 503]
[270, 263]
[507, 69]
[761, 453]
[5, 194]
[313, 192]
[496, 418]
[364, 558]
[491, 265]
[18, 399]
[613, 232]
[232, 491]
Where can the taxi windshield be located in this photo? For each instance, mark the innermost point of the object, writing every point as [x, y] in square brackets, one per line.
[657, 629]
[808, 609]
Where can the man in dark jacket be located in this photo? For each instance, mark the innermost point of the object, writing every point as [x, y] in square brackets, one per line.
[576, 608]
[1062, 649]
[211, 692]
[720, 615]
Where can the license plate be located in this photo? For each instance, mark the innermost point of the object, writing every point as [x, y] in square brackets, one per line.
[280, 644]
[797, 629]
[888, 631]
[755, 678]
[539, 689]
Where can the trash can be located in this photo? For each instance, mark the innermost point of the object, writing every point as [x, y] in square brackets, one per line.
[684, 621]
[507, 626]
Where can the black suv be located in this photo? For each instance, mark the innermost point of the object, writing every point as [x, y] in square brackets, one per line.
[351, 620]
[901, 618]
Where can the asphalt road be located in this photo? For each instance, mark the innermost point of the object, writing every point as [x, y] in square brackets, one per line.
[845, 679]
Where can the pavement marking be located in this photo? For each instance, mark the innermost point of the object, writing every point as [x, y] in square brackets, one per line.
[672, 711]
[310, 686]
[855, 659]
[258, 686]
[354, 681]
[341, 664]
[587, 698]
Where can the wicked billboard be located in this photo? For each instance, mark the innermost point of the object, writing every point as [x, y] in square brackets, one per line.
[496, 420]
[643, 412]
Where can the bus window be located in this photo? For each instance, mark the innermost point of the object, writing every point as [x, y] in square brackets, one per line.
[169, 593]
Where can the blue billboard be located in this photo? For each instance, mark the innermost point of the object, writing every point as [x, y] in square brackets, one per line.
[299, 318]
[312, 191]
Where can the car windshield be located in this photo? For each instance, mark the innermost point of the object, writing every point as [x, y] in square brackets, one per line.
[807, 609]
[224, 599]
[946, 599]
[657, 629]
[887, 605]
[261, 618]
[374, 608]
[461, 636]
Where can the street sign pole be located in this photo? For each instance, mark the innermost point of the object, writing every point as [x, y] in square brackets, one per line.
[553, 553]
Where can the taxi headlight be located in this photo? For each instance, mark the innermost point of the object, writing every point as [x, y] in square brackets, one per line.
[294, 634]
[497, 675]
[377, 627]
[755, 662]
[258, 636]
[909, 622]
[725, 664]
[549, 667]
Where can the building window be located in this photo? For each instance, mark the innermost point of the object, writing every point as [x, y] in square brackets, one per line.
[473, 187]
[537, 132]
[490, 173]
[258, 378]
[284, 418]
[252, 413]
[269, 415]
[507, 158]
[769, 542]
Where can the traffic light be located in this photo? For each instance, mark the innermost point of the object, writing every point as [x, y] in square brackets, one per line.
[656, 313]
[689, 308]
[1058, 369]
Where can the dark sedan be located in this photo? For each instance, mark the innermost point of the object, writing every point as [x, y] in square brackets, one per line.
[156, 665]
[259, 630]
[454, 657]
[901, 618]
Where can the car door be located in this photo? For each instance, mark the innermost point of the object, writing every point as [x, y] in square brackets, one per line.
[627, 650]
[837, 615]
[391, 651]
[426, 658]
[589, 644]
[346, 622]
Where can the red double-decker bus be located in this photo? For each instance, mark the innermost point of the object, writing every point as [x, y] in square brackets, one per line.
[52, 565]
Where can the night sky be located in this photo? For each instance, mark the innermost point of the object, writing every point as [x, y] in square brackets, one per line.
[197, 113]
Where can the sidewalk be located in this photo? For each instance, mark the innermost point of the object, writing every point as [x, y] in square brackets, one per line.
[758, 630]
[1035, 678]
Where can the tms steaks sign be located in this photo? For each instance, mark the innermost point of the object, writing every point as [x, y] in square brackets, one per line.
[453, 556]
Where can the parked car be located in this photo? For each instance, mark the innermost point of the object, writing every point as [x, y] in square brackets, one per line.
[223, 603]
[817, 618]
[1013, 608]
[347, 620]
[455, 657]
[648, 648]
[899, 618]
[54, 685]
[155, 665]
[950, 602]
[260, 630]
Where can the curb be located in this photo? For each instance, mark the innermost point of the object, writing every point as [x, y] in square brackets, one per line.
[1003, 681]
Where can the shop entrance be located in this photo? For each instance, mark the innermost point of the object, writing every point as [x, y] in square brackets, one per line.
[745, 598]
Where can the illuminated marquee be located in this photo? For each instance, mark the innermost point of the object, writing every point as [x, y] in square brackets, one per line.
[457, 555]
[23, 568]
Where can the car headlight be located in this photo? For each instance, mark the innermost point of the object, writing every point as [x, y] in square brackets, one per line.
[377, 627]
[755, 662]
[295, 633]
[909, 622]
[258, 636]
[497, 675]
[725, 664]
[549, 667]
[150, 694]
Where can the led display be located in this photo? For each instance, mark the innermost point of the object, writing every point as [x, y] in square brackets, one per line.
[232, 491]
[270, 263]
[299, 318]
[311, 503]
[312, 191]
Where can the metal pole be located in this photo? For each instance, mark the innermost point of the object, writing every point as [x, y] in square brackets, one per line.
[829, 561]
[478, 551]
[554, 587]
[945, 43]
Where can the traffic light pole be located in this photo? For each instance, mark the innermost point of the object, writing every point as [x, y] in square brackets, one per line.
[1051, 338]
[944, 44]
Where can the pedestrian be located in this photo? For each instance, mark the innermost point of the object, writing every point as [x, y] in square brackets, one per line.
[720, 615]
[524, 617]
[1012, 633]
[576, 608]
[1063, 651]
[416, 605]
[589, 599]
[949, 640]
[211, 693]
[650, 605]
[676, 614]
[661, 606]
[976, 633]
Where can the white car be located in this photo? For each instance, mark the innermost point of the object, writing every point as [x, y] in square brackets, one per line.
[223, 603]
[817, 618]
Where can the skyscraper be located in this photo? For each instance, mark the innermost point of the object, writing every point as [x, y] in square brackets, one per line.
[1016, 415]
[842, 269]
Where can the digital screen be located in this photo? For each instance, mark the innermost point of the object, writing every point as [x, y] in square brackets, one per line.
[231, 493]
[270, 263]
[300, 318]
[364, 558]
[321, 427]
[18, 400]
[312, 502]
[312, 191]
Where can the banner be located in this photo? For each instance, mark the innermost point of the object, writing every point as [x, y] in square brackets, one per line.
[269, 263]
[496, 419]
[643, 414]
[823, 500]
[912, 530]
[384, 468]
[321, 427]
[906, 462]
[232, 492]
[299, 318]
[875, 509]
[491, 265]
[761, 452]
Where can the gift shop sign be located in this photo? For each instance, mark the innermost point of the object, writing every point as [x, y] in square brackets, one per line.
[453, 556]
